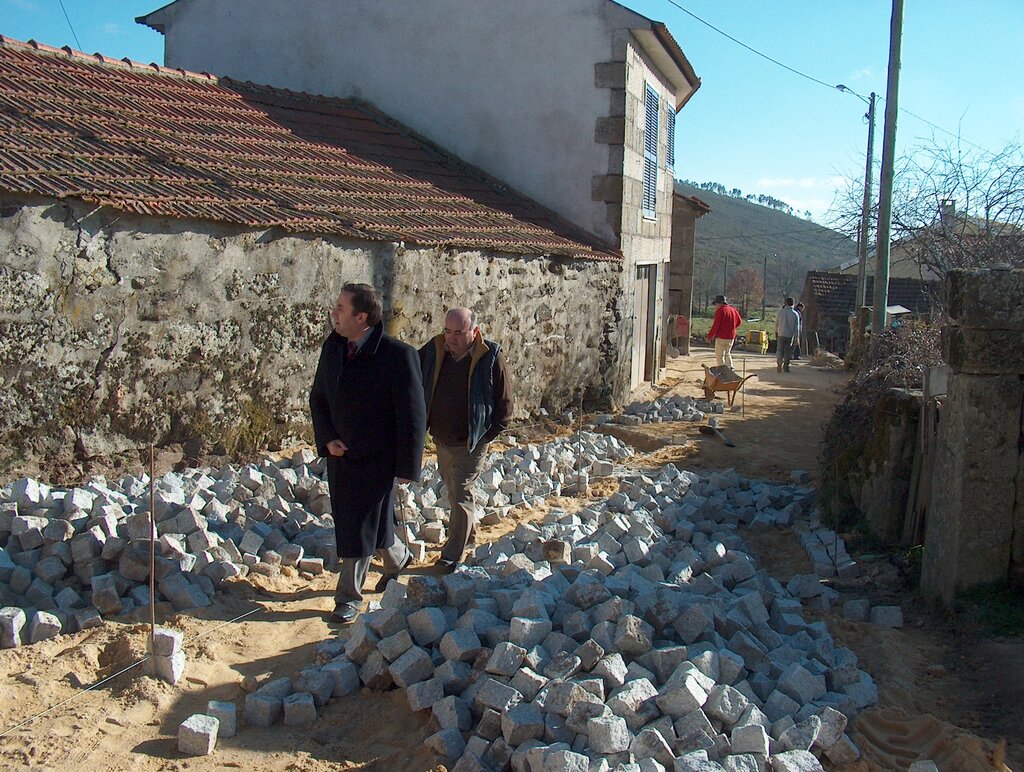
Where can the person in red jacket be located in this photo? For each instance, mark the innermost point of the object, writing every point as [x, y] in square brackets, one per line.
[723, 330]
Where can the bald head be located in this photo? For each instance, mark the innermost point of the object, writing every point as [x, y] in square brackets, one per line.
[459, 331]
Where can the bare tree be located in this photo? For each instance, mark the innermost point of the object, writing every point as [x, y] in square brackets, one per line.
[705, 274]
[745, 286]
[961, 208]
[787, 274]
[952, 207]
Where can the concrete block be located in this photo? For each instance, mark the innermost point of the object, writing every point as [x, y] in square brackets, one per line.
[528, 632]
[318, 684]
[385, 622]
[375, 672]
[461, 645]
[681, 696]
[651, 744]
[447, 743]
[197, 735]
[427, 625]
[43, 625]
[12, 627]
[609, 735]
[361, 642]
[423, 695]
[800, 684]
[299, 709]
[726, 704]
[394, 646]
[495, 695]
[794, 761]
[413, 666]
[168, 669]
[527, 682]
[612, 668]
[751, 738]
[801, 736]
[345, 675]
[166, 642]
[633, 636]
[453, 712]
[506, 659]
[844, 751]
[833, 725]
[226, 714]
[635, 701]
[522, 722]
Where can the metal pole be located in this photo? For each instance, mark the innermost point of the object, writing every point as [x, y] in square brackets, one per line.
[865, 210]
[764, 287]
[881, 297]
[725, 274]
[152, 552]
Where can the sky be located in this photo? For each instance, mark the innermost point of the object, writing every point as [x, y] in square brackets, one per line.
[753, 124]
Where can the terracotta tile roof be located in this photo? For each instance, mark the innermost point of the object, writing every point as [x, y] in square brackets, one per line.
[170, 143]
[836, 293]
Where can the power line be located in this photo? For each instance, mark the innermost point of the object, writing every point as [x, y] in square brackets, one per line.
[72, 26]
[818, 81]
[751, 48]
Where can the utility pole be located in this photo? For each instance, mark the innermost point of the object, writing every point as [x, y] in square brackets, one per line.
[725, 274]
[865, 211]
[892, 89]
[764, 286]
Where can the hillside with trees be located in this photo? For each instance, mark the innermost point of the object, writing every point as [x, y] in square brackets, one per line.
[744, 229]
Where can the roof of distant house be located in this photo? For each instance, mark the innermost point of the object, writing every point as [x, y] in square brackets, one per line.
[171, 143]
[836, 293]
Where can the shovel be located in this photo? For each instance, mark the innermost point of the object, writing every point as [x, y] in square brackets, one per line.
[712, 430]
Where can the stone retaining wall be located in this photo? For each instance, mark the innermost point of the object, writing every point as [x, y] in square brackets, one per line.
[120, 330]
[975, 526]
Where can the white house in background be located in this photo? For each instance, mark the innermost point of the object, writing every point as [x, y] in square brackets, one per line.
[572, 103]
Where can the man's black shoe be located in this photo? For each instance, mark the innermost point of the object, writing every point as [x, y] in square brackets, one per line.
[345, 613]
[446, 566]
[382, 583]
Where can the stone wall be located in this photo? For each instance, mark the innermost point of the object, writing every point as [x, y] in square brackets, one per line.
[880, 482]
[119, 330]
[975, 526]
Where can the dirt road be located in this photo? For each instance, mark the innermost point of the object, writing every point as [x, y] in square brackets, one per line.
[944, 694]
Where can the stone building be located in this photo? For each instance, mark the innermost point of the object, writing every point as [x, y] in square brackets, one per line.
[573, 103]
[170, 243]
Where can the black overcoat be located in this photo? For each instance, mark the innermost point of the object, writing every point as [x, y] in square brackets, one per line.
[374, 404]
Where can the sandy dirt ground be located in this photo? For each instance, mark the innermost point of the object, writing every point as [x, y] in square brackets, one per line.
[945, 693]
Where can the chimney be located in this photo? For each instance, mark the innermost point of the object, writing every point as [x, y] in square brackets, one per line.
[947, 213]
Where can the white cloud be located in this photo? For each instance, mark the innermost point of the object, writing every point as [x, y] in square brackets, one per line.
[860, 74]
[112, 28]
[23, 5]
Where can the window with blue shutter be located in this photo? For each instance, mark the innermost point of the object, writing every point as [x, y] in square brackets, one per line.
[670, 129]
[650, 181]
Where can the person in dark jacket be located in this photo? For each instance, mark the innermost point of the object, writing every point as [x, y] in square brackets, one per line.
[469, 403]
[369, 421]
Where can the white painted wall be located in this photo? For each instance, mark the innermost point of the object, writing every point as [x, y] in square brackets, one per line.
[506, 85]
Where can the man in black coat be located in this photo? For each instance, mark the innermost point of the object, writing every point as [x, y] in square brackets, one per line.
[369, 420]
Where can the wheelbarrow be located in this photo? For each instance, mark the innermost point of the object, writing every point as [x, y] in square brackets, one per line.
[722, 379]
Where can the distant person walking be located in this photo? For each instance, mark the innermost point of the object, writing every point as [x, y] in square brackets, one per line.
[787, 328]
[723, 330]
[798, 341]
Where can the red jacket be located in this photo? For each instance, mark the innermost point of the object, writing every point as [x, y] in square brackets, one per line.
[727, 320]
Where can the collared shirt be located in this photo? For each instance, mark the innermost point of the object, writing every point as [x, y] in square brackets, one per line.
[359, 343]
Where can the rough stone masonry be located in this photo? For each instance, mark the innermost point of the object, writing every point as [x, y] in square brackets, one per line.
[121, 330]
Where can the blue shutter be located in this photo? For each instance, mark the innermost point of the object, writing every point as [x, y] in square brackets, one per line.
[650, 181]
[670, 129]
